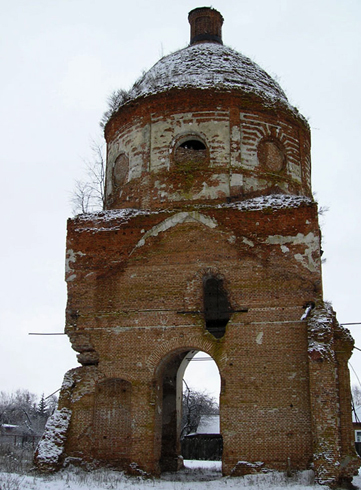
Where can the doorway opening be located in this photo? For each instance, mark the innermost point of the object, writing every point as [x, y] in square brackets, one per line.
[189, 408]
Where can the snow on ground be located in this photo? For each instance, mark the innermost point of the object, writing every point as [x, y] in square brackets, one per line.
[198, 475]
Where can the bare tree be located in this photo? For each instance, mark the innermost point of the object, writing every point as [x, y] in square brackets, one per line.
[17, 408]
[89, 195]
[81, 197]
[356, 402]
[52, 404]
[22, 410]
[194, 405]
[356, 395]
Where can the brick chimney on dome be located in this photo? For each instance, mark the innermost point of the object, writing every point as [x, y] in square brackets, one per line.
[206, 25]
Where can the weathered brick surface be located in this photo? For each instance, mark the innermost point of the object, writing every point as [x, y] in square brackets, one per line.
[133, 307]
[150, 130]
[205, 184]
[135, 297]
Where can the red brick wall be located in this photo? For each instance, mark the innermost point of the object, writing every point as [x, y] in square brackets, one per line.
[132, 305]
[135, 292]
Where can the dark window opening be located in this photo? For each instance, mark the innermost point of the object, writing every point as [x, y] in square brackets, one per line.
[217, 310]
[191, 155]
[193, 145]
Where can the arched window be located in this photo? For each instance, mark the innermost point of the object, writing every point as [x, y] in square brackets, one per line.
[120, 171]
[195, 145]
[191, 153]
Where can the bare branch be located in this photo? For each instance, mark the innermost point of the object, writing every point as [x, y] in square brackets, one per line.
[194, 405]
[81, 197]
[89, 195]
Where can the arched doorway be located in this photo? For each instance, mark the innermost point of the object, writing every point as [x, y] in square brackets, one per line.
[170, 389]
[200, 428]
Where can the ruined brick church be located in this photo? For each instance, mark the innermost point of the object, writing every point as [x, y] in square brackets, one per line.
[209, 241]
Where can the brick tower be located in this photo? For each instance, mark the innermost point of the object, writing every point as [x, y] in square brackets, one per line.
[209, 242]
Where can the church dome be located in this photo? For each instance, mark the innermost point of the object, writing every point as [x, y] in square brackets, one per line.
[208, 66]
[205, 124]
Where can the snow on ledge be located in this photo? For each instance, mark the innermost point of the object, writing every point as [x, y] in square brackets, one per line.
[105, 220]
[113, 219]
[274, 201]
[109, 215]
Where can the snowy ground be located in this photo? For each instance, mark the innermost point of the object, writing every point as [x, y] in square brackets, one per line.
[198, 475]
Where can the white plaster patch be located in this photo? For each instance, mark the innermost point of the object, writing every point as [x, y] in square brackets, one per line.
[247, 242]
[71, 278]
[71, 257]
[221, 187]
[310, 241]
[236, 133]
[310, 265]
[236, 180]
[231, 239]
[179, 218]
[284, 249]
[259, 338]
[254, 184]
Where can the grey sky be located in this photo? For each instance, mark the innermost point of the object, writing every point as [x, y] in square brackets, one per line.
[61, 59]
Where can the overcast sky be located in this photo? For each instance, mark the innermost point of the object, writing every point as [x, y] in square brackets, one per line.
[61, 59]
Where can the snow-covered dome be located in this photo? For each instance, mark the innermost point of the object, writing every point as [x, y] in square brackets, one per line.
[208, 66]
[204, 124]
[205, 64]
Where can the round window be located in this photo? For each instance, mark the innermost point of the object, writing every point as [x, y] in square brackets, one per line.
[272, 155]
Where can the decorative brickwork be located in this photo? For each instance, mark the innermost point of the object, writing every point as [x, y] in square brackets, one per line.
[210, 242]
